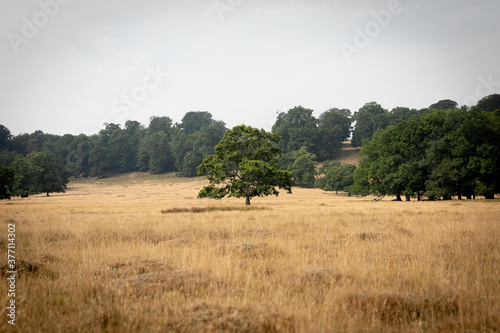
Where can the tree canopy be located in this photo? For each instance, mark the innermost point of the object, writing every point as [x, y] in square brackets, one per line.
[445, 104]
[439, 155]
[244, 165]
[369, 119]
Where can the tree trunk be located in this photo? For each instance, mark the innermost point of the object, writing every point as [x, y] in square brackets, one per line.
[398, 197]
[419, 196]
[47, 193]
[247, 201]
[408, 198]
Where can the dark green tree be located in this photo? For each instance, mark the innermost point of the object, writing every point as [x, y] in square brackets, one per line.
[194, 121]
[35, 142]
[369, 119]
[303, 168]
[244, 165]
[445, 104]
[400, 114]
[334, 127]
[297, 128]
[6, 183]
[489, 103]
[19, 144]
[440, 155]
[5, 138]
[189, 149]
[337, 176]
[53, 176]
[26, 176]
[160, 124]
[8, 157]
[77, 159]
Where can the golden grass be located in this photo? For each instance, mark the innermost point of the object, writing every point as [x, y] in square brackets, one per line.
[103, 257]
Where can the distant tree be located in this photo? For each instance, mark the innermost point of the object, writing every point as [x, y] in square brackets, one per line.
[160, 124]
[53, 176]
[188, 147]
[400, 114]
[155, 153]
[35, 142]
[297, 128]
[303, 168]
[489, 103]
[6, 183]
[99, 158]
[77, 159]
[19, 144]
[5, 138]
[337, 176]
[334, 127]
[8, 157]
[244, 165]
[369, 119]
[445, 104]
[26, 176]
[194, 121]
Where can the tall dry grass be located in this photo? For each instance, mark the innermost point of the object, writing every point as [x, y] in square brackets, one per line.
[143, 255]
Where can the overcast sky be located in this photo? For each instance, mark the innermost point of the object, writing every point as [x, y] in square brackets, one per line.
[68, 66]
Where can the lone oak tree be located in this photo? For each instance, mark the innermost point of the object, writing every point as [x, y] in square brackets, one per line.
[244, 165]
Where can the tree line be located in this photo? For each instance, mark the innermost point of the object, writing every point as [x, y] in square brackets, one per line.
[163, 146]
[446, 153]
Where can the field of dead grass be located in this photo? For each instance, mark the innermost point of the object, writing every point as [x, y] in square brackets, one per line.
[142, 254]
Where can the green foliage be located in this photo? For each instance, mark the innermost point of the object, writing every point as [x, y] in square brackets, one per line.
[445, 104]
[297, 128]
[244, 165]
[8, 157]
[338, 177]
[439, 155]
[52, 175]
[155, 153]
[369, 119]
[189, 149]
[5, 138]
[303, 168]
[26, 175]
[489, 103]
[334, 128]
[6, 183]
[195, 120]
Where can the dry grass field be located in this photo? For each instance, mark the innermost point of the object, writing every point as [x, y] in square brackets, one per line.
[140, 253]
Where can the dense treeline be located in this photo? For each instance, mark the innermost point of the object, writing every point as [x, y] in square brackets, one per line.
[446, 153]
[304, 140]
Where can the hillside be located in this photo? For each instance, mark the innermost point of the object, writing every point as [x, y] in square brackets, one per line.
[349, 154]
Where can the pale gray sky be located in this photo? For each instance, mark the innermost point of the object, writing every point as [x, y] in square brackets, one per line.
[67, 66]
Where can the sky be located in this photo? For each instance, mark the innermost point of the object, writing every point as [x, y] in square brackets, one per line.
[70, 66]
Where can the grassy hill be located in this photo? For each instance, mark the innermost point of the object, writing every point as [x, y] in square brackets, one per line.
[348, 154]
